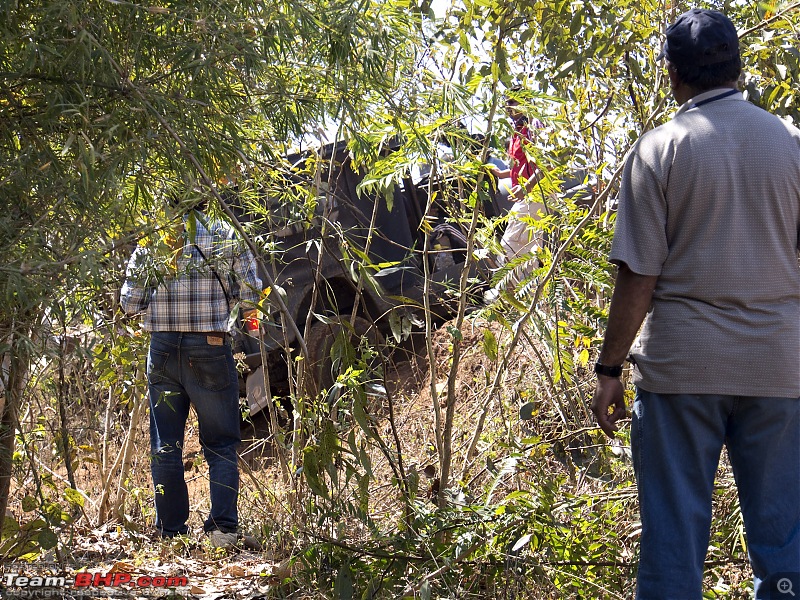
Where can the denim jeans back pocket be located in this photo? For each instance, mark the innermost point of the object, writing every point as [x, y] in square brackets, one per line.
[156, 366]
[212, 372]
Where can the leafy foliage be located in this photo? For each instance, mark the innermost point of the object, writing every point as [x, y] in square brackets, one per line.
[107, 109]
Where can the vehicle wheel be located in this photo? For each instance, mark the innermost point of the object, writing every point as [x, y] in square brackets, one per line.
[320, 340]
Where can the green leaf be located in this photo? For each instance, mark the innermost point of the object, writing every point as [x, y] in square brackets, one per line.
[29, 503]
[576, 24]
[311, 471]
[564, 69]
[490, 344]
[234, 317]
[362, 417]
[328, 444]
[74, 497]
[10, 527]
[54, 513]
[191, 226]
[396, 325]
[34, 525]
[521, 542]
[365, 461]
[363, 493]
[583, 358]
[351, 442]
[47, 539]
[527, 410]
[373, 587]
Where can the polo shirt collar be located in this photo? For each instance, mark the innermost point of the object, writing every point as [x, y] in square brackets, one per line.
[710, 95]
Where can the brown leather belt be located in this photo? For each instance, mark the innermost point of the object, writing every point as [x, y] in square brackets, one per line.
[213, 338]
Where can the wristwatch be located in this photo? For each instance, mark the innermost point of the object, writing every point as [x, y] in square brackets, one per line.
[602, 369]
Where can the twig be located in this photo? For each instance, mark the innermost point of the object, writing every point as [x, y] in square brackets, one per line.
[766, 22]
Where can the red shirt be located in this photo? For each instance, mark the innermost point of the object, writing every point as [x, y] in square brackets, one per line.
[522, 168]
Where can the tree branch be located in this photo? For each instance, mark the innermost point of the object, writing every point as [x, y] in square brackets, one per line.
[767, 22]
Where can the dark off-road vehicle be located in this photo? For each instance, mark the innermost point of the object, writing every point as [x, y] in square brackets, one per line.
[357, 254]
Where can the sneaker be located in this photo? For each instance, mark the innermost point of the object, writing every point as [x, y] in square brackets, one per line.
[221, 539]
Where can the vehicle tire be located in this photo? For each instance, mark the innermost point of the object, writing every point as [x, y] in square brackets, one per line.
[320, 340]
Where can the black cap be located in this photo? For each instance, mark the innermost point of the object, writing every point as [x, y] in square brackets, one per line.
[701, 37]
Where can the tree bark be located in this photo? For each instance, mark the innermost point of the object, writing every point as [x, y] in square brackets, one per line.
[18, 368]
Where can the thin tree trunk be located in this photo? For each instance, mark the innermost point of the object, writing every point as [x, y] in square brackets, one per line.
[64, 445]
[123, 458]
[103, 512]
[127, 455]
[18, 368]
[106, 435]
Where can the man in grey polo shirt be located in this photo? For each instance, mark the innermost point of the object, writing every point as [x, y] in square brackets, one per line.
[707, 247]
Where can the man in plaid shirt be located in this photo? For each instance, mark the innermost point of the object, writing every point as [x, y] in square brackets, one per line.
[187, 286]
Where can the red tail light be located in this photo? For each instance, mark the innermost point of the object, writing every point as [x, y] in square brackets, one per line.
[251, 323]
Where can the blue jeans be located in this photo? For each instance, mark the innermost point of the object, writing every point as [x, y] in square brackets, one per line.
[676, 442]
[184, 369]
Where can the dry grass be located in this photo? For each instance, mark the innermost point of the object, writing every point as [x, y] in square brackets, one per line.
[587, 485]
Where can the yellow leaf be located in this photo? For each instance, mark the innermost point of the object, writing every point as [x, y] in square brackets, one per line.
[583, 357]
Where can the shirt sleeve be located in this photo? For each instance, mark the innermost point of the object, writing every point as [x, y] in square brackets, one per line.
[136, 291]
[640, 238]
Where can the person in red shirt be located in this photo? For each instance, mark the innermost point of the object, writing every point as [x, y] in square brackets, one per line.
[523, 172]
[520, 238]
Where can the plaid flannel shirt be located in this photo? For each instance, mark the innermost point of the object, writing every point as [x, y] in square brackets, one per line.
[189, 297]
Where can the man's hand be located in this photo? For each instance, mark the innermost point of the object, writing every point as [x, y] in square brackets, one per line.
[633, 295]
[518, 192]
[500, 173]
[609, 394]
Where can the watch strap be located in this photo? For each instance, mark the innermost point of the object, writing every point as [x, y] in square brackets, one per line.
[606, 370]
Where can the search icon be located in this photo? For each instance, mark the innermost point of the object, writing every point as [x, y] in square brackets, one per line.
[785, 586]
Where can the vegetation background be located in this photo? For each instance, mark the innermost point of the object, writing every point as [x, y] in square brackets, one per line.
[481, 474]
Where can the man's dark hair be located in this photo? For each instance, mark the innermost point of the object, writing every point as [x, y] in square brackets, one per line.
[708, 77]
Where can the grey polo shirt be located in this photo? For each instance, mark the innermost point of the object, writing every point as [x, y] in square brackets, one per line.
[710, 203]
